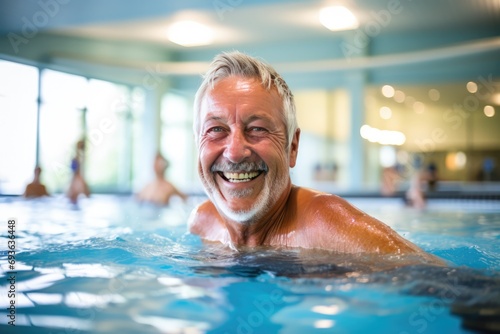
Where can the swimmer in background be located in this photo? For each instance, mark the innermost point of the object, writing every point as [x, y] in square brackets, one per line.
[432, 177]
[159, 191]
[36, 188]
[414, 196]
[390, 180]
[78, 185]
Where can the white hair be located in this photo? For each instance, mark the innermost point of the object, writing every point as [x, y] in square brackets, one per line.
[236, 63]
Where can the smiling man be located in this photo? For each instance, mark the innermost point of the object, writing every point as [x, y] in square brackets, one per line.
[247, 135]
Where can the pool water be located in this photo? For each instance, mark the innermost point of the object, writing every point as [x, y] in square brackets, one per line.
[114, 266]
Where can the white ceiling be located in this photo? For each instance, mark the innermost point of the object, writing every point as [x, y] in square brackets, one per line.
[239, 21]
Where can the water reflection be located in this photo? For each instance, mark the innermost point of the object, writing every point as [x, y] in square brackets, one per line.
[45, 298]
[87, 300]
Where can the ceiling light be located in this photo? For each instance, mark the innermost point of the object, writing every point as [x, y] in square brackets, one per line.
[495, 99]
[384, 137]
[472, 87]
[489, 111]
[455, 161]
[385, 113]
[190, 33]
[338, 18]
[399, 96]
[388, 91]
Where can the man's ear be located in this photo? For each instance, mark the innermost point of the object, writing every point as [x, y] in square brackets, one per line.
[294, 148]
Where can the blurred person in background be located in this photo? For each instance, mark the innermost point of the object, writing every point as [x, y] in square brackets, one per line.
[159, 191]
[432, 176]
[36, 188]
[390, 181]
[78, 185]
[414, 196]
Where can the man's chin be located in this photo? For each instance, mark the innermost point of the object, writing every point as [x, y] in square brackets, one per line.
[242, 216]
[240, 208]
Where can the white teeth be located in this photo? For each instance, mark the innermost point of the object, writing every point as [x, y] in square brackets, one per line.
[240, 177]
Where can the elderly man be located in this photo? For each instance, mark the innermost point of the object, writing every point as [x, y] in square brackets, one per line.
[247, 135]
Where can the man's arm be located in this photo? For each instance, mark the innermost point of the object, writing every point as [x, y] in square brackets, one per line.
[344, 228]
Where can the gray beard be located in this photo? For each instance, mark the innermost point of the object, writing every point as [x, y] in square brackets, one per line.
[263, 203]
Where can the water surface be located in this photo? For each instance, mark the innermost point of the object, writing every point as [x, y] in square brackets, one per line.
[113, 266]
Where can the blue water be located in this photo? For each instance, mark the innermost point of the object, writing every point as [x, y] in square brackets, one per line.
[113, 266]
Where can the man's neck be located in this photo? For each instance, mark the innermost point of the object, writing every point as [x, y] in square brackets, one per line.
[261, 230]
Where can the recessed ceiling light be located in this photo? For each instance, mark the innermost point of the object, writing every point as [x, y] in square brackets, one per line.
[388, 91]
[489, 111]
[338, 18]
[385, 113]
[495, 99]
[399, 96]
[472, 87]
[190, 33]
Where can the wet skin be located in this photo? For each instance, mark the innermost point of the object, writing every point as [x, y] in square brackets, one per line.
[242, 122]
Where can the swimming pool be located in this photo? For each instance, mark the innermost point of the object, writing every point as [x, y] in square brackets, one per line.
[114, 266]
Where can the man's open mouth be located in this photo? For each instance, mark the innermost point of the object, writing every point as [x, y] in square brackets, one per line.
[239, 177]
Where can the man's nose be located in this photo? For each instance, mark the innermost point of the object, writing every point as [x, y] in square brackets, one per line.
[237, 148]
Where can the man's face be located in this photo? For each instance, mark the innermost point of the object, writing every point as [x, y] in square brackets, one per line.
[243, 156]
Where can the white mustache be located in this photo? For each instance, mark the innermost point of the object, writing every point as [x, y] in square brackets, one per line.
[229, 167]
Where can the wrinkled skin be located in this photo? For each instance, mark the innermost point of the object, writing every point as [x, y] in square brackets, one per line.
[242, 122]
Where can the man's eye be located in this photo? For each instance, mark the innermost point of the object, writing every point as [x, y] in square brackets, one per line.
[216, 129]
[257, 129]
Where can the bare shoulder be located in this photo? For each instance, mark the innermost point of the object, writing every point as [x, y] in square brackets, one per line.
[326, 207]
[203, 218]
[338, 225]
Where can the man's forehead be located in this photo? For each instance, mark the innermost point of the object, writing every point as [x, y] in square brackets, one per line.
[244, 84]
[236, 92]
[236, 82]
[240, 86]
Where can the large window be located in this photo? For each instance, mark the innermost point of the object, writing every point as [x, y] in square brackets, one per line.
[177, 142]
[109, 136]
[71, 107]
[62, 112]
[18, 119]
